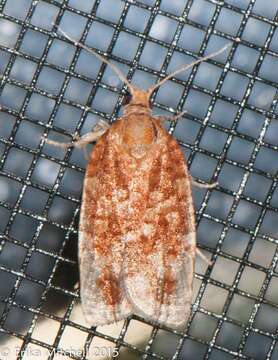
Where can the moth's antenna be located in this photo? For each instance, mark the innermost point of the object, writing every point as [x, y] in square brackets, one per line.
[186, 67]
[101, 58]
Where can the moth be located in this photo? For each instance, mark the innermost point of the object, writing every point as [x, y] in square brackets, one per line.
[137, 236]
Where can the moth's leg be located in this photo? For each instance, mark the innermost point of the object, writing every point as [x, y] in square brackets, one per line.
[101, 125]
[98, 130]
[202, 256]
[203, 186]
[171, 117]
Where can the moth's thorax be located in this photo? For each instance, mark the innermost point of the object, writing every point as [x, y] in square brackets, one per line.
[138, 132]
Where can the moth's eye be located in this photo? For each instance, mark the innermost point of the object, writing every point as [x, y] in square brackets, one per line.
[127, 99]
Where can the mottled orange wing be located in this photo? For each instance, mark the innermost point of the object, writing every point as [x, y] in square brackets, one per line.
[100, 238]
[160, 244]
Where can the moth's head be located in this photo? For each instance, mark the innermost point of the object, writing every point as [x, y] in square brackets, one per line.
[137, 98]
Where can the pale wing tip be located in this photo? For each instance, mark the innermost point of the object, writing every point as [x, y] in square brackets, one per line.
[97, 319]
[174, 314]
[98, 313]
[177, 323]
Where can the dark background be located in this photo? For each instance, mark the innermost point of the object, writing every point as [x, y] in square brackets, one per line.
[48, 87]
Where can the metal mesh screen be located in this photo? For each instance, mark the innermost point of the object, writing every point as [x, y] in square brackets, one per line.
[229, 134]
